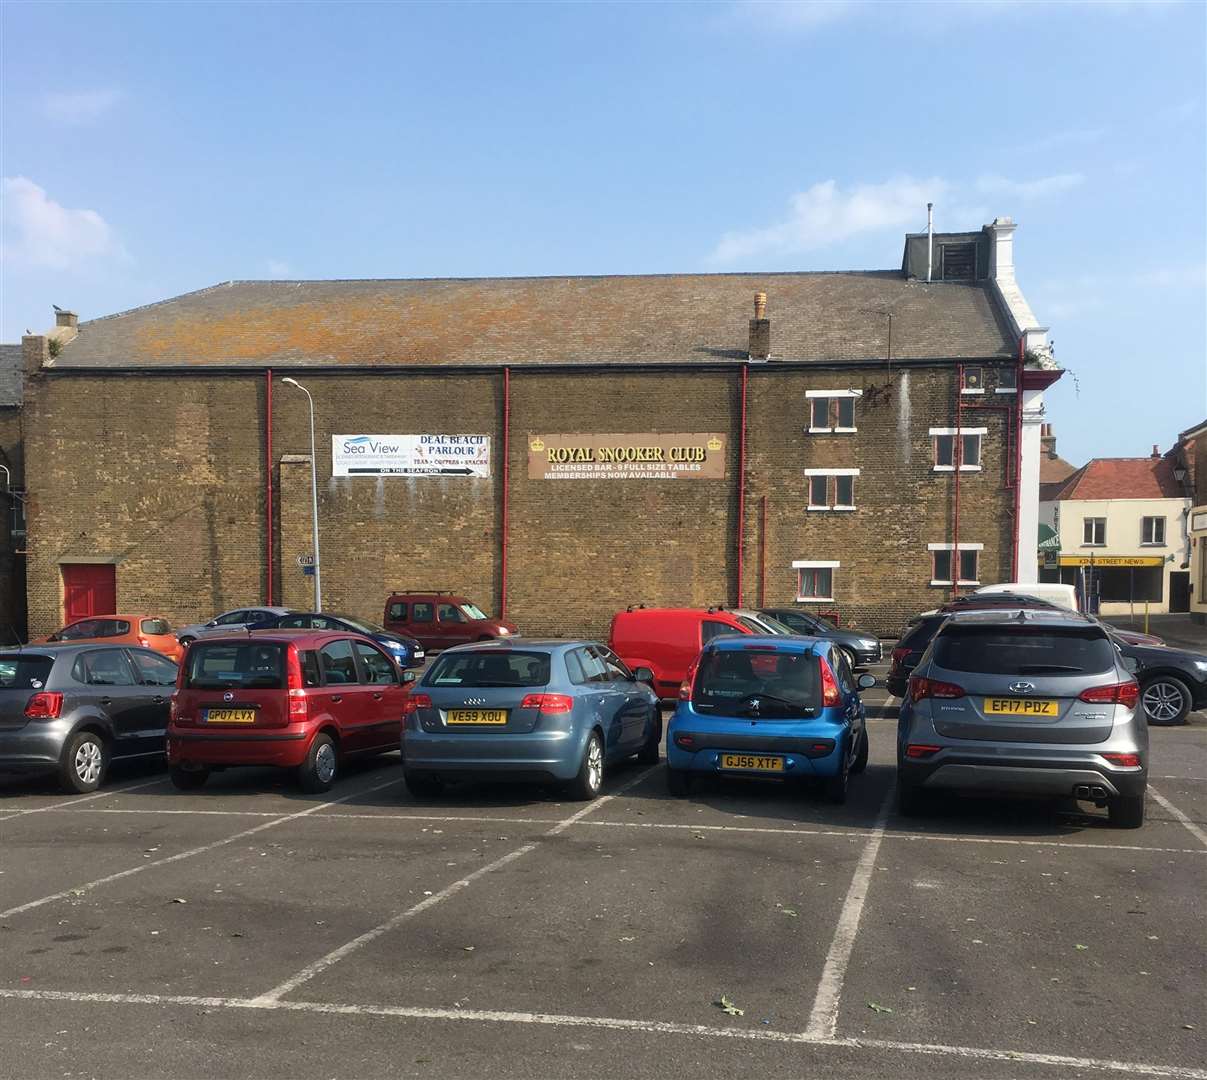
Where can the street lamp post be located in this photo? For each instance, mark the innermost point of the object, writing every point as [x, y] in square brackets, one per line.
[314, 499]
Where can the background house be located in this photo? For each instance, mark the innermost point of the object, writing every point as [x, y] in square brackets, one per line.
[1121, 522]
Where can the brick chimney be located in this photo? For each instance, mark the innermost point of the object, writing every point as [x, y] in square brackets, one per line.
[1047, 441]
[760, 329]
[1156, 454]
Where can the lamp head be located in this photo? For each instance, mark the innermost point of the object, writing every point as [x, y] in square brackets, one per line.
[292, 382]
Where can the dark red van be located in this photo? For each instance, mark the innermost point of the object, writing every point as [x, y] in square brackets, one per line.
[303, 700]
[441, 620]
[667, 640]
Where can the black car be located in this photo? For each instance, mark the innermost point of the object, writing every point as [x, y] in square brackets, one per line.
[1173, 682]
[71, 709]
[909, 649]
[407, 652]
[861, 646]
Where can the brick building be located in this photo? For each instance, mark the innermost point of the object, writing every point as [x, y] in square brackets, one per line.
[631, 440]
[12, 503]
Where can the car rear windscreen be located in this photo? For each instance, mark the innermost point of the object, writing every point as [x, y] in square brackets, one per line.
[1027, 650]
[24, 671]
[252, 665]
[482, 669]
[729, 681]
[155, 626]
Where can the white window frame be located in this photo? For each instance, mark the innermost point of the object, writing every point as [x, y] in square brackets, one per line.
[1153, 542]
[935, 432]
[955, 551]
[832, 428]
[815, 564]
[1093, 543]
[831, 489]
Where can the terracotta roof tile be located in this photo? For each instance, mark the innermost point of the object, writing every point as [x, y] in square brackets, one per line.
[1123, 478]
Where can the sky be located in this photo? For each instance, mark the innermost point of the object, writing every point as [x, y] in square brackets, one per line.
[151, 149]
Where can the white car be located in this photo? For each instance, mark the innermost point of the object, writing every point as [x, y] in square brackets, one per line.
[234, 620]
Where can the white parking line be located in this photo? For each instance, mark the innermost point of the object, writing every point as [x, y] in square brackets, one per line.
[652, 1027]
[79, 890]
[1195, 831]
[84, 798]
[823, 1020]
[324, 962]
[851, 834]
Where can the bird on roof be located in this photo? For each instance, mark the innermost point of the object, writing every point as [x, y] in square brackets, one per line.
[56, 307]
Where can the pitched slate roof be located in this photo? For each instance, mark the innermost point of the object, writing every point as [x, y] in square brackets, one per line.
[12, 375]
[492, 321]
[1122, 478]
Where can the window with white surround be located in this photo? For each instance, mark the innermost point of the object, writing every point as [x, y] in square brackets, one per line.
[967, 560]
[831, 489]
[832, 410]
[814, 579]
[1093, 532]
[974, 381]
[1152, 531]
[944, 441]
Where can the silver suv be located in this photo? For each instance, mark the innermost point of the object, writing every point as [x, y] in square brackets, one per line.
[1026, 701]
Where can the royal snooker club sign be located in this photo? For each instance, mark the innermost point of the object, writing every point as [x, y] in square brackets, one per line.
[694, 456]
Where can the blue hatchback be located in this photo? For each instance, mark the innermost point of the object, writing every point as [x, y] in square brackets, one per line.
[407, 652]
[770, 707]
[519, 709]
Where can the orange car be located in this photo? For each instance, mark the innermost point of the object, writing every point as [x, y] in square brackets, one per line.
[149, 631]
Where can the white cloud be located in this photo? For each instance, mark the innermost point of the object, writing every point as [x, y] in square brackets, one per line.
[40, 232]
[824, 215]
[279, 268]
[1029, 190]
[80, 106]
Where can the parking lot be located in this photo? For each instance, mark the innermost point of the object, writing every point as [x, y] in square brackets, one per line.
[250, 930]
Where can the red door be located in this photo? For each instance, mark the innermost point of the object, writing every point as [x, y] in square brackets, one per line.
[88, 589]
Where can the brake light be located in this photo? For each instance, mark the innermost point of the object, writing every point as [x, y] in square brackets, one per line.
[920, 688]
[1127, 761]
[299, 706]
[829, 685]
[1126, 694]
[760, 648]
[685, 690]
[416, 702]
[144, 642]
[899, 655]
[921, 750]
[173, 710]
[685, 741]
[44, 705]
[549, 704]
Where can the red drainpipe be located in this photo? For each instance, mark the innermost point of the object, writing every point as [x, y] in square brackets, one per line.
[1018, 451]
[742, 484]
[268, 489]
[956, 457]
[506, 477]
[763, 557]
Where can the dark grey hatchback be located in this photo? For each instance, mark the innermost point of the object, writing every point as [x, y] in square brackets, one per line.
[72, 709]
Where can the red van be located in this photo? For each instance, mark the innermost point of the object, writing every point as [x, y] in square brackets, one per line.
[300, 699]
[440, 620]
[667, 640]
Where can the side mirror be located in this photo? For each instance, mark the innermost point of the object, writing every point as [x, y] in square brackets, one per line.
[644, 675]
[53, 637]
[212, 622]
[409, 677]
[1131, 663]
[866, 682]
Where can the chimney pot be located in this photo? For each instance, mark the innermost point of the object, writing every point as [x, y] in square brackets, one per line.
[760, 305]
[1156, 452]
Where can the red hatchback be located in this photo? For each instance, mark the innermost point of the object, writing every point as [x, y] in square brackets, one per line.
[302, 700]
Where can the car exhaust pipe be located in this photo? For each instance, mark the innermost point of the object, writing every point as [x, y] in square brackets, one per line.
[1082, 791]
[1097, 791]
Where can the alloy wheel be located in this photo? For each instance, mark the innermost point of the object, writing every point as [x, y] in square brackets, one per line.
[595, 765]
[88, 762]
[1163, 701]
[324, 762]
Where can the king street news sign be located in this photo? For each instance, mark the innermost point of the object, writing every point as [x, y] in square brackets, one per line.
[410, 455]
[693, 456]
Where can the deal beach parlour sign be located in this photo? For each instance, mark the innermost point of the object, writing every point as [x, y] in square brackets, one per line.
[410, 455]
[692, 456]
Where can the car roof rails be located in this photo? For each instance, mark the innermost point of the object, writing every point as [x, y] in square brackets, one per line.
[717, 607]
[635, 607]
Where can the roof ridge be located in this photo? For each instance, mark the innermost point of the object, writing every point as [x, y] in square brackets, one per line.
[158, 303]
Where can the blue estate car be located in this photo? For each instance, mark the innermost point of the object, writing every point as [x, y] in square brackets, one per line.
[513, 709]
[775, 707]
[407, 652]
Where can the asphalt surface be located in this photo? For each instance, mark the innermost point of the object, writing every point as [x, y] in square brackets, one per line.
[248, 930]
